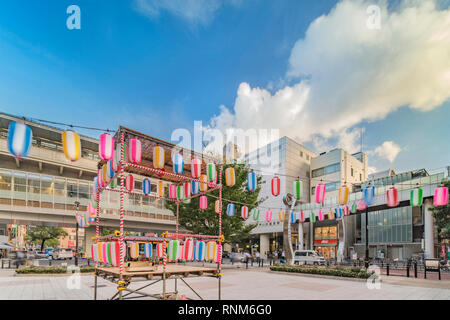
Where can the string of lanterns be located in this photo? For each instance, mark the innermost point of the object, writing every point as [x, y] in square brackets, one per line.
[20, 138]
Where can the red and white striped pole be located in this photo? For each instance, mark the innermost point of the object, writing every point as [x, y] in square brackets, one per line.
[122, 187]
[220, 230]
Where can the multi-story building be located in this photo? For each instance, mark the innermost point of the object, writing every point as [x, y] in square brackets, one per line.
[42, 188]
[291, 161]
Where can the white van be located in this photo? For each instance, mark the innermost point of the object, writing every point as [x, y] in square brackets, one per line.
[305, 257]
[62, 254]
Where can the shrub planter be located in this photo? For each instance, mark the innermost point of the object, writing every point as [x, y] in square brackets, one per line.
[61, 270]
[335, 272]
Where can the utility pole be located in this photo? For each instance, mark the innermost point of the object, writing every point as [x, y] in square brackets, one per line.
[76, 235]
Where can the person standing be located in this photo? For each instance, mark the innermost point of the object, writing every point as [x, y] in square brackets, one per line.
[258, 258]
[232, 254]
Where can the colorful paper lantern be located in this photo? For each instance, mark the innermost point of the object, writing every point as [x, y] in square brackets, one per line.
[346, 211]
[293, 217]
[331, 215]
[244, 212]
[189, 249]
[276, 184]
[302, 216]
[416, 197]
[230, 177]
[195, 187]
[115, 252]
[440, 196]
[251, 181]
[369, 195]
[95, 187]
[146, 186]
[312, 217]
[211, 172]
[320, 193]
[160, 252]
[361, 205]
[269, 215]
[160, 188]
[92, 209]
[187, 189]
[217, 206]
[343, 195]
[172, 191]
[134, 250]
[106, 146]
[180, 193]
[100, 181]
[181, 252]
[338, 212]
[148, 250]
[71, 145]
[230, 209]
[178, 163]
[203, 202]
[255, 214]
[196, 168]
[134, 150]
[129, 183]
[172, 249]
[211, 250]
[297, 189]
[158, 157]
[281, 215]
[110, 171]
[203, 184]
[321, 215]
[392, 197]
[199, 251]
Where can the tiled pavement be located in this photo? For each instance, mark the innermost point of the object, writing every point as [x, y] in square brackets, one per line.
[236, 284]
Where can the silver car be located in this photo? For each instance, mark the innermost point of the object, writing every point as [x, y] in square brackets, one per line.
[311, 257]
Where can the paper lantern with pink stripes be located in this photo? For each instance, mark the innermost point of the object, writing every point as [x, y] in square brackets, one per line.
[320, 193]
[134, 150]
[129, 183]
[276, 184]
[440, 196]
[106, 146]
[203, 202]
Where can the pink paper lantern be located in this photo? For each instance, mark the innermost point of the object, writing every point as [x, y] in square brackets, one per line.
[135, 150]
[361, 205]
[440, 196]
[203, 202]
[172, 191]
[321, 215]
[106, 146]
[269, 215]
[320, 193]
[392, 197]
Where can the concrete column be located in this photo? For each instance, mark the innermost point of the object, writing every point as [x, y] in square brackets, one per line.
[429, 228]
[88, 234]
[264, 244]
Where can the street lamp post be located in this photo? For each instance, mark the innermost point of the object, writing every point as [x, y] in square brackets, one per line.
[76, 235]
[366, 262]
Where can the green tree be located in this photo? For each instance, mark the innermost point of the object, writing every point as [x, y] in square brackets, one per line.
[442, 217]
[198, 221]
[40, 234]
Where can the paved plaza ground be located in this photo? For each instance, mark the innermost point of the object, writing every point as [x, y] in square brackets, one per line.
[254, 283]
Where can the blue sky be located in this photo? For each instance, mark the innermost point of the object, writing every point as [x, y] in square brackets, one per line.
[161, 71]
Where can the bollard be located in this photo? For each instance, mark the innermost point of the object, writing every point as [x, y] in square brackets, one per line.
[407, 270]
[415, 269]
[387, 269]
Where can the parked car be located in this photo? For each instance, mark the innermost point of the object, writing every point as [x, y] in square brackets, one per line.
[62, 254]
[308, 257]
[41, 255]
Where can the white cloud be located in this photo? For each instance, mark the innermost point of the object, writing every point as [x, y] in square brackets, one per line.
[348, 73]
[193, 11]
[388, 150]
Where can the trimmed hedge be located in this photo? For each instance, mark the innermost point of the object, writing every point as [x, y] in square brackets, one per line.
[337, 272]
[51, 270]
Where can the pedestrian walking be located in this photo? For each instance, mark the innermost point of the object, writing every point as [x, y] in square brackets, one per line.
[258, 258]
[232, 254]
